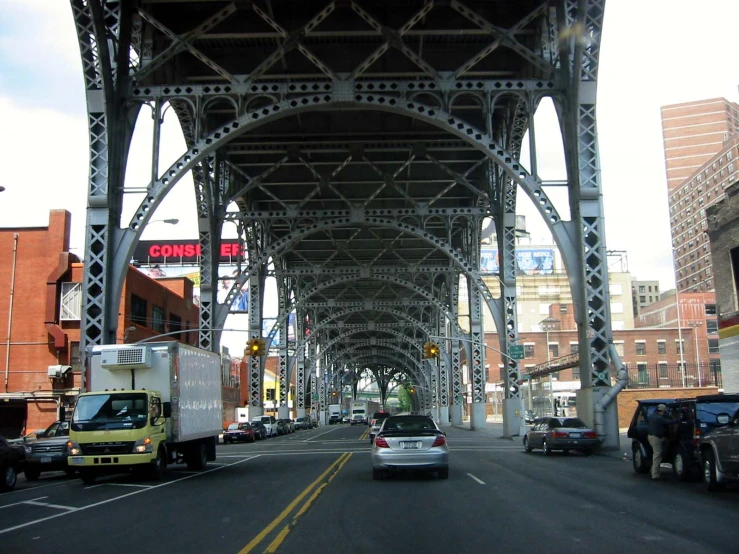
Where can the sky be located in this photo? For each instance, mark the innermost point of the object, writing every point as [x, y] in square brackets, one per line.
[652, 54]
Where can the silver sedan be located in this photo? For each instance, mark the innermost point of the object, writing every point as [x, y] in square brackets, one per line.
[410, 442]
[561, 433]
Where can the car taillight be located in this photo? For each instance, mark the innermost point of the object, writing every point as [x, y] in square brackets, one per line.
[439, 441]
[380, 442]
[591, 435]
[696, 437]
[559, 435]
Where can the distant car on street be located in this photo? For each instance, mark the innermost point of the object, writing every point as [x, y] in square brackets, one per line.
[303, 423]
[561, 433]
[260, 431]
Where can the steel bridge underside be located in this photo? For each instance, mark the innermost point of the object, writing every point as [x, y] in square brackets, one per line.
[358, 148]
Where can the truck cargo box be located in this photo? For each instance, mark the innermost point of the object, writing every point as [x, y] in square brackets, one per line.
[187, 377]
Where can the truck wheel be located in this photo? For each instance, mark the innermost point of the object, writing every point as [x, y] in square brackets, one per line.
[197, 457]
[9, 478]
[710, 475]
[88, 476]
[640, 464]
[158, 466]
[32, 472]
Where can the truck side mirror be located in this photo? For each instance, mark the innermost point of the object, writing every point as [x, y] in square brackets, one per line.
[167, 409]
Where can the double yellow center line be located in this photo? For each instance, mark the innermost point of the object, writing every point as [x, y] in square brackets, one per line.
[319, 484]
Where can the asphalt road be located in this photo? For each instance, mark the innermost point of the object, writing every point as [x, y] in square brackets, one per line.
[312, 492]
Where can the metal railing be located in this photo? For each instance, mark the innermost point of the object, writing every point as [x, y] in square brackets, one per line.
[671, 375]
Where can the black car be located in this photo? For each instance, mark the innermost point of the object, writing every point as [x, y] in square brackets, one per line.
[695, 419]
[260, 431]
[12, 462]
[48, 452]
[282, 427]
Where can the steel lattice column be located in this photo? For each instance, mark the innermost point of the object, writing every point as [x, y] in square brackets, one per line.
[283, 380]
[457, 384]
[477, 363]
[255, 331]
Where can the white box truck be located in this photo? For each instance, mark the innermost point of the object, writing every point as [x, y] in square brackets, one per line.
[148, 405]
[361, 411]
[334, 413]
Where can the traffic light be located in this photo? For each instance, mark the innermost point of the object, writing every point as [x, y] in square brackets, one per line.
[256, 347]
[430, 350]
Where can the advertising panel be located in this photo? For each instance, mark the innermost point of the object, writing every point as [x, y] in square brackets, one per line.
[529, 261]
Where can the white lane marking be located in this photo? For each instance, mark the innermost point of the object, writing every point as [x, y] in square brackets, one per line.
[96, 504]
[124, 485]
[476, 479]
[23, 502]
[47, 505]
[19, 491]
[319, 435]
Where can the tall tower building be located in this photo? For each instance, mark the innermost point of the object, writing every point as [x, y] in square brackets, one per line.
[693, 132]
[700, 141]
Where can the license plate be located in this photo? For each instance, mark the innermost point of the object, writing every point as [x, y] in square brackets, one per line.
[77, 460]
[574, 435]
[45, 460]
[409, 445]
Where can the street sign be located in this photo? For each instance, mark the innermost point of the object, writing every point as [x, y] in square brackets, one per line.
[315, 396]
[516, 351]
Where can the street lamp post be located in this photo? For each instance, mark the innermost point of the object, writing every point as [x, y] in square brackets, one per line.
[546, 325]
[695, 325]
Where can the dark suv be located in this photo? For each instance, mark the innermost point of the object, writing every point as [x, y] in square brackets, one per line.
[720, 452]
[695, 417]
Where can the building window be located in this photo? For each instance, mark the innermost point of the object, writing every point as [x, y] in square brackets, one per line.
[574, 348]
[713, 346]
[563, 308]
[641, 348]
[642, 289]
[576, 372]
[677, 346]
[157, 319]
[619, 347]
[528, 351]
[554, 350]
[138, 310]
[71, 302]
[175, 326]
[662, 366]
[710, 309]
[641, 368]
[74, 357]
[643, 299]
[661, 347]
[711, 326]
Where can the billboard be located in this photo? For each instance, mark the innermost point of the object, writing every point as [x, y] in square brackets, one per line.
[184, 252]
[529, 261]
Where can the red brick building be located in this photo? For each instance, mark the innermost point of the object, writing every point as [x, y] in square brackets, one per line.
[40, 318]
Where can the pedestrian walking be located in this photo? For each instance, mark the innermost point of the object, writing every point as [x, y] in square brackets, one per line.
[658, 428]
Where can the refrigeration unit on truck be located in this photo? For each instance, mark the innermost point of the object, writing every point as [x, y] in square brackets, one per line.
[148, 405]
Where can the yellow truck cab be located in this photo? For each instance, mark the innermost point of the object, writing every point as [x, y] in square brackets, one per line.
[148, 406]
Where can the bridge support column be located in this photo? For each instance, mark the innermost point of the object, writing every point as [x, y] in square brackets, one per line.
[477, 416]
[283, 412]
[444, 417]
[456, 410]
[512, 414]
[590, 397]
[300, 412]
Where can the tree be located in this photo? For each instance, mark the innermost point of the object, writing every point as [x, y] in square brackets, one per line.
[404, 399]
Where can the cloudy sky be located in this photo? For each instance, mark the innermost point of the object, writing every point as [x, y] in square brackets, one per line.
[653, 53]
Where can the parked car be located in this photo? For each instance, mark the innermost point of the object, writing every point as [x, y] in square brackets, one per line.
[48, 452]
[561, 433]
[410, 442]
[530, 416]
[12, 462]
[28, 437]
[260, 431]
[282, 428]
[375, 423]
[269, 422]
[303, 423]
[290, 424]
[696, 418]
[236, 432]
[720, 452]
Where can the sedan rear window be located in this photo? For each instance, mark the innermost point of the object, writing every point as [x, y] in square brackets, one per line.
[574, 422]
[409, 424]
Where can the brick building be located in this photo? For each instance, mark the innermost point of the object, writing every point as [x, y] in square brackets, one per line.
[40, 311]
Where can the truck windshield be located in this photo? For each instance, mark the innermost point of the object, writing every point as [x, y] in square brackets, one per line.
[110, 411]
